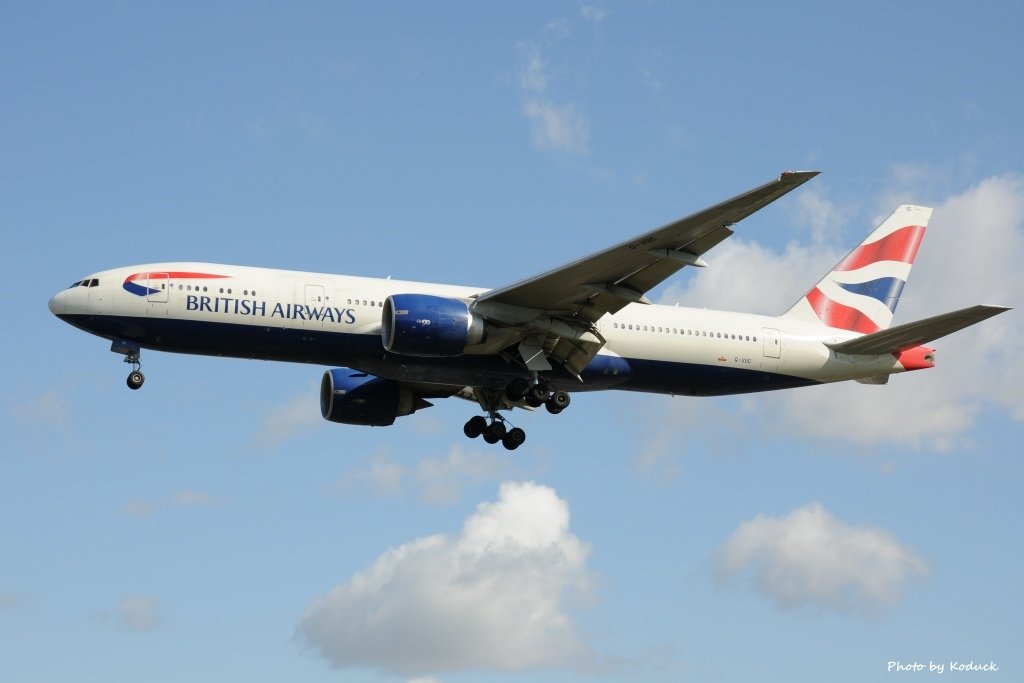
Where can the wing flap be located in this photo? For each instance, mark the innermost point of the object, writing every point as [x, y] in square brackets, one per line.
[563, 305]
[909, 335]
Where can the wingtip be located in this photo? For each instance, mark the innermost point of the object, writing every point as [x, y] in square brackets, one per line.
[798, 175]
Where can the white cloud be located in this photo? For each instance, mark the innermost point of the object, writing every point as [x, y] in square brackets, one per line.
[139, 613]
[441, 480]
[296, 416]
[495, 596]
[739, 270]
[970, 255]
[435, 480]
[383, 476]
[809, 558]
[593, 13]
[825, 220]
[555, 125]
[533, 72]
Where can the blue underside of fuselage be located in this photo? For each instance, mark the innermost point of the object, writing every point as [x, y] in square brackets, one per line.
[366, 353]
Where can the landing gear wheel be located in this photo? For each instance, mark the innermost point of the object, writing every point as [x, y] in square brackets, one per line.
[558, 402]
[513, 439]
[135, 379]
[475, 426]
[517, 389]
[538, 393]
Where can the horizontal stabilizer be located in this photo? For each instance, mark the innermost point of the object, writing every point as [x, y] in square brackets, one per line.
[903, 337]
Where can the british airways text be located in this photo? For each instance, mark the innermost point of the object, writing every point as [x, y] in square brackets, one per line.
[229, 305]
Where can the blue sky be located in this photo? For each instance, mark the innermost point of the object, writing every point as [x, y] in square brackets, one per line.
[212, 527]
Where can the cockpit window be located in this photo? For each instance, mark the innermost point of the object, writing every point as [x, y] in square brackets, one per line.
[93, 283]
[90, 282]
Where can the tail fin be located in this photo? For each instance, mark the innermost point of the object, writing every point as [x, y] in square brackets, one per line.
[861, 292]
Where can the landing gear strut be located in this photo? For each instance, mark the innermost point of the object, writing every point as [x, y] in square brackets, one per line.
[535, 392]
[132, 354]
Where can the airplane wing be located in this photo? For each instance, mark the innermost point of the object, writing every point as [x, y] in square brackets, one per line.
[909, 335]
[557, 310]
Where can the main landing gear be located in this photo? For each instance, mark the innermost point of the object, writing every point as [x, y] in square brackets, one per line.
[538, 393]
[132, 353]
[534, 394]
[495, 430]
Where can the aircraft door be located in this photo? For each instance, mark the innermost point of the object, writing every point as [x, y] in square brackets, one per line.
[157, 286]
[772, 349]
[315, 299]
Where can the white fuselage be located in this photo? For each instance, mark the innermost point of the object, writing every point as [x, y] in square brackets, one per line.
[214, 309]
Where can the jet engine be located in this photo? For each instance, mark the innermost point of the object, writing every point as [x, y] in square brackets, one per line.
[356, 398]
[426, 325]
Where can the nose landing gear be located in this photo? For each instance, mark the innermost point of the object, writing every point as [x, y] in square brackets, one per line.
[135, 379]
[132, 353]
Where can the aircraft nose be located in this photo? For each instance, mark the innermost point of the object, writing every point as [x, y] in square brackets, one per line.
[57, 303]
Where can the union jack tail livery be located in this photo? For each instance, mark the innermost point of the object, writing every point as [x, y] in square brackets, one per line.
[861, 292]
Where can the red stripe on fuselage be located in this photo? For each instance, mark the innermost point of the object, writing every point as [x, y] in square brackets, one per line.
[178, 275]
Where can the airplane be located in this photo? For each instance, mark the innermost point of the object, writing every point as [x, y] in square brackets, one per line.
[584, 326]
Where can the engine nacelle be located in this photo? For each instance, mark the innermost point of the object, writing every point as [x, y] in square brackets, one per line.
[356, 398]
[426, 325]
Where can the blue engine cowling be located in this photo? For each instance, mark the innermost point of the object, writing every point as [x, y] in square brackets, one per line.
[426, 325]
[356, 398]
